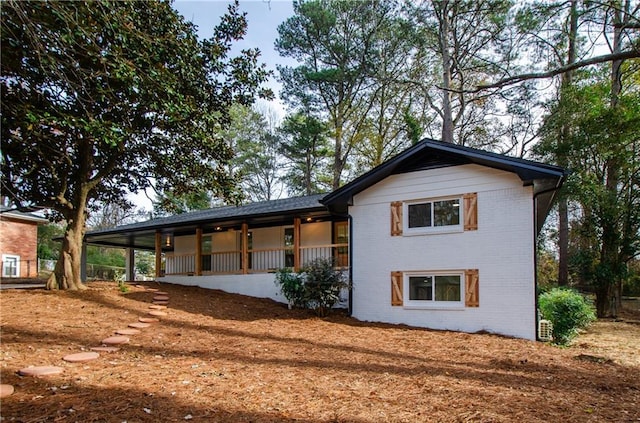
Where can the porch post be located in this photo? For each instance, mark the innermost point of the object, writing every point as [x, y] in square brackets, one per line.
[296, 244]
[83, 263]
[158, 254]
[198, 251]
[245, 248]
[129, 263]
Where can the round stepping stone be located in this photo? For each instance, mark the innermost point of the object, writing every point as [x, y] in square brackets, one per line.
[148, 319]
[157, 313]
[161, 303]
[105, 349]
[157, 307]
[40, 371]
[127, 332]
[139, 325]
[152, 290]
[161, 298]
[81, 357]
[115, 340]
[6, 390]
[161, 293]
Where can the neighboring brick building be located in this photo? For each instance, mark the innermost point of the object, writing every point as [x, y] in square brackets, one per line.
[19, 243]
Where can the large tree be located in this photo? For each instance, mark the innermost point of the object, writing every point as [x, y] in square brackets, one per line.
[104, 98]
[335, 43]
[606, 230]
[462, 43]
[305, 149]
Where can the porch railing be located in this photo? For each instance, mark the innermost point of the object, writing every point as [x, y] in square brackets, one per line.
[259, 260]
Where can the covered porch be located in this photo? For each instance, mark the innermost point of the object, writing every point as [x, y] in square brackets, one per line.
[257, 238]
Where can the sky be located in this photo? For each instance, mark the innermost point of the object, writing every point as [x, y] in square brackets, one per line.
[263, 18]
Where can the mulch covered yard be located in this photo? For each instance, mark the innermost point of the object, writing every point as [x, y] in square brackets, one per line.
[224, 357]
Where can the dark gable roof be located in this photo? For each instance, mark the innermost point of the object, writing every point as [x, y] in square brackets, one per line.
[431, 154]
[262, 209]
[427, 154]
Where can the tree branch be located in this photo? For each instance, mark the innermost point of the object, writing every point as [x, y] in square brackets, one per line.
[629, 54]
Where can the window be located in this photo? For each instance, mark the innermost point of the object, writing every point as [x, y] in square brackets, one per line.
[443, 213]
[10, 266]
[434, 289]
[289, 240]
[440, 215]
[205, 249]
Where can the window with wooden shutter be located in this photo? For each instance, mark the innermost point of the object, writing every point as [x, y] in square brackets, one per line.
[471, 288]
[396, 288]
[470, 211]
[396, 218]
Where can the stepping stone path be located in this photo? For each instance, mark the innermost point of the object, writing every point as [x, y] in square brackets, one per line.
[105, 349]
[160, 301]
[81, 357]
[115, 340]
[127, 332]
[157, 307]
[139, 325]
[40, 371]
[6, 390]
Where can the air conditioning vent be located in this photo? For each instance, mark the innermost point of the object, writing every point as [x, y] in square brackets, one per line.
[545, 330]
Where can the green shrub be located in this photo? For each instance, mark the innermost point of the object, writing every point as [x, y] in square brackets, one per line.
[317, 286]
[292, 287]
[322, 285]
[122, 286]
[568, 311]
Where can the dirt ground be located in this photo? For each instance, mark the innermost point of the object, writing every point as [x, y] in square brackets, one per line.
[223, 357]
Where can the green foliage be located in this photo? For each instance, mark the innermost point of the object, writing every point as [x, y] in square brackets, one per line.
[145, 262]
[304, 145]
[602, 150]
[632, 284]
[122, 286]
[255, 164]
[568, 311]
[292, 286]
[317, 286]
[48, 249]
[322, 285]
[104, 98]
[111, 257]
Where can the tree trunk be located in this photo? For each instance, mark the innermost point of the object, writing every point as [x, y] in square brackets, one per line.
[66, 274]
[447, 113]
[563, 209]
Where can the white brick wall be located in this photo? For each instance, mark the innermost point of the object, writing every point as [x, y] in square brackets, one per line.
[502, 249]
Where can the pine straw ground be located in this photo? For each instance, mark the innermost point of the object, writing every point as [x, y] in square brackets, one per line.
[223, 357]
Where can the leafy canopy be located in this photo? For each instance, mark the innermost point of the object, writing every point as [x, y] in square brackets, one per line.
[101, 98]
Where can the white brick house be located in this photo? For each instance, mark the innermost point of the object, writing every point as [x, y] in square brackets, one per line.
[440, 236]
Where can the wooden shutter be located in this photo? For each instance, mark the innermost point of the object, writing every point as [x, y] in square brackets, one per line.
[471, 288]
[396, 218]
[396, 288]
[470, 211]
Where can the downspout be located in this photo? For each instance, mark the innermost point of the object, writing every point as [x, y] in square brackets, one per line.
[535, 250]
[350, 247]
